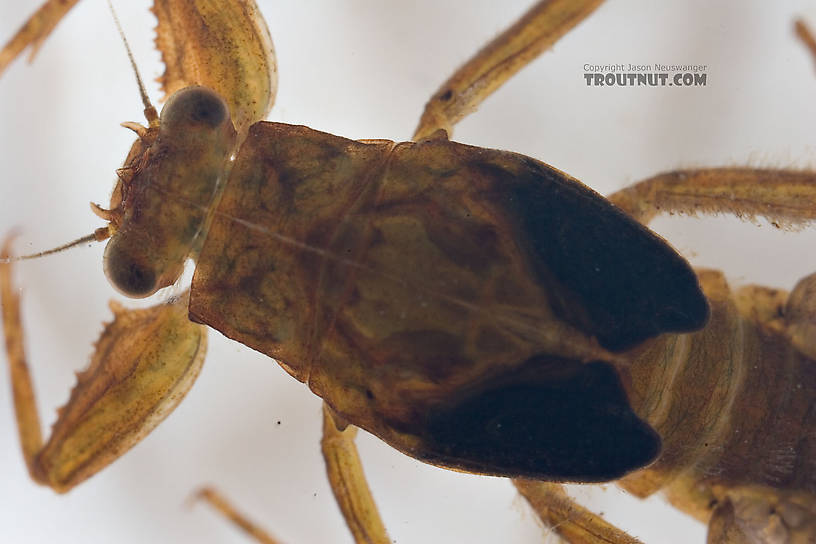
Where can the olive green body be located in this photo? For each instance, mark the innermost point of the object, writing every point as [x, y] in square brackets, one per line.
[447, 298]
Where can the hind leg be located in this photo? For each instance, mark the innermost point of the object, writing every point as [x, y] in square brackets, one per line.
[568, 519]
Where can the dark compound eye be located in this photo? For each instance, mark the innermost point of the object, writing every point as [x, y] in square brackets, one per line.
[126, 274]
[135, 279]
[199, 105]
[206, 107]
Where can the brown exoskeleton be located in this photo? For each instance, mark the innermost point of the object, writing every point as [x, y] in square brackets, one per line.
[674, 154]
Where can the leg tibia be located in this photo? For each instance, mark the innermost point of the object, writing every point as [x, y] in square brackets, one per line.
[571, 521]
[499, 60]
[223, 506]
[348, 482]
[787, 198]
[145, 362]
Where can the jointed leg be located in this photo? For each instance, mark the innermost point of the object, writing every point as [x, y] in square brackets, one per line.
[568, 519]
[34, 32]
[25, 406]
[784, 197]
[348, 482]
[217, 501]
[787, 198]
[499, 60]
[145, 362]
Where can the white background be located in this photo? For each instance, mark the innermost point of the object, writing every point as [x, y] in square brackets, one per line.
[364, 70]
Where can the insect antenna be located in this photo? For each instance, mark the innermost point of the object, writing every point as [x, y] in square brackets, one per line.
[98, 235]
[102, 233]
[149, 111]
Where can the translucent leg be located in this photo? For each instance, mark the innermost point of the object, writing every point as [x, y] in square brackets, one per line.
[787, 198]
[499, 60]
[223, 506]
[145, 362]
[348, 482]
[34, 32]
[571, 521]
